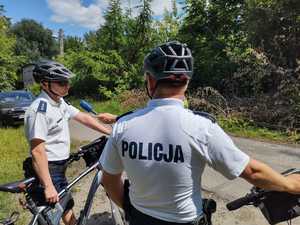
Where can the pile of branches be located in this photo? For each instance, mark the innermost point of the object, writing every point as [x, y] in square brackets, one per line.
[209, 100]
[265, 93]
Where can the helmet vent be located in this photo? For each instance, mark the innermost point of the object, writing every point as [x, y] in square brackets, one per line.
[45, 67]
[65, 70]
[57, 71]
[167, 50]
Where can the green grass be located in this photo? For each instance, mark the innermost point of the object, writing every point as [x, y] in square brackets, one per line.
[112, 106]
[243, 128]
[13, 150]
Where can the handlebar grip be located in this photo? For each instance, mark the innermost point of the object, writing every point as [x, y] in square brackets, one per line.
[238, 203]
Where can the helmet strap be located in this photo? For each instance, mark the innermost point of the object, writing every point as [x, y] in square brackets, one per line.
[51, 91]
[146, 87]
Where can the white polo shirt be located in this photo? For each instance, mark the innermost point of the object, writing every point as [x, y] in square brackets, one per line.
[47, 120]
[164, 148]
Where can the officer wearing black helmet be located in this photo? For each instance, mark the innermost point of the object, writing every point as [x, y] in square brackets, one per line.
[47, 131]
[164, 148]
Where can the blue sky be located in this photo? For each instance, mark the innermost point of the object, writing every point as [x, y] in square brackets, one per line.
[75, 17]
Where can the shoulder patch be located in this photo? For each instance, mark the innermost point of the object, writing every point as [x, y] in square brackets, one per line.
[206, 115]
[125, 114]
[42, 106]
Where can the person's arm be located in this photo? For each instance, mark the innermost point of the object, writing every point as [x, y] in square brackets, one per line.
[40, 165]
[114, 187]
[91, 122]
[107, 118]
[263, 176]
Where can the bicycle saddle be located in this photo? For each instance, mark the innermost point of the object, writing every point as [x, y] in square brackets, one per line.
[17, 186]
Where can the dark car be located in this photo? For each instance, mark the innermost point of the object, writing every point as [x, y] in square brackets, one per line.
[13, 105]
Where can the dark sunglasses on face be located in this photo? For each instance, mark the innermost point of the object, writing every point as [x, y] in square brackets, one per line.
[62, 83]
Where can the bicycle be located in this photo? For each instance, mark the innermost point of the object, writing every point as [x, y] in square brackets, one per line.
[275, 206]
[51, 214]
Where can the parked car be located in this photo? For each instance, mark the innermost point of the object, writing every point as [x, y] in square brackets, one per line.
[13, 105]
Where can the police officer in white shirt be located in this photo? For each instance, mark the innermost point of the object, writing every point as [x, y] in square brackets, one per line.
[47, 130]
[164, 148]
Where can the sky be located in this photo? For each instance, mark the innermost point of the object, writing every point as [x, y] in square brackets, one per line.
[75, 17]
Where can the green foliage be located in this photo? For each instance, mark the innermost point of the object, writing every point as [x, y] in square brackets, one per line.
[167, 29]
[111, 33]
[139, 39]
[211, 29]
[74, 44]
[33, 40]
[274, 28]
[34, 88]
[99, 74]
[8, 61]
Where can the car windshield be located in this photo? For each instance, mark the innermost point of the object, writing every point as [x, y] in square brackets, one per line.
[15, 96]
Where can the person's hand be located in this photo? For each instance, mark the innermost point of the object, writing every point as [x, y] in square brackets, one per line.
[294, 179]
[107, 118]
[51, 194]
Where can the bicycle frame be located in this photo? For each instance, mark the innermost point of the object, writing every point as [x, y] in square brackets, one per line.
[38, 212]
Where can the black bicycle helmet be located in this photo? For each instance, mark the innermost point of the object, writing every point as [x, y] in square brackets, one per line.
[172, 60]
[47, 70]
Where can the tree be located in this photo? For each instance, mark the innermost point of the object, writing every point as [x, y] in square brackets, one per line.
[274, 28]
[33, 40]
[214, 30]
[8, 62]
[167, 29]
[140, 40]
[91, 41]
[99, 74]
[73, 44]
[111, 33]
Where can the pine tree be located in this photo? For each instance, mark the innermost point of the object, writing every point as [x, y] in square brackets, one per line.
[111, 34]
[141, 37]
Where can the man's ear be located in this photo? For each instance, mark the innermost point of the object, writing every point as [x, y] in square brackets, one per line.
[151, 81]
[44, 84]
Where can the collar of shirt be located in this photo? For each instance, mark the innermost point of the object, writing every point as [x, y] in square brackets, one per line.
[165, 101]
[50, 100]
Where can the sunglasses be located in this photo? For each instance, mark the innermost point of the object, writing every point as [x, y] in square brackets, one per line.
[62, 83]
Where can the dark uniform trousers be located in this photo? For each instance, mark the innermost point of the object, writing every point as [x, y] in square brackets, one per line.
[57, 171]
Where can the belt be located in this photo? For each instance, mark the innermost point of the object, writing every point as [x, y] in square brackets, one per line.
[200, 220]
[59, 166]
[58, 162]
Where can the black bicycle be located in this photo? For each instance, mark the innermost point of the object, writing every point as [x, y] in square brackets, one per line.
[51, 214]
[275, 206]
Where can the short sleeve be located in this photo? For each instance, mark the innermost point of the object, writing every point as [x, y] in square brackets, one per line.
[224, 156]
[36, 126]
[110, 159]
[72, 111]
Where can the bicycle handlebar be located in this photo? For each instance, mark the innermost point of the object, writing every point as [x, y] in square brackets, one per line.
[256, 194]
[246, 200]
